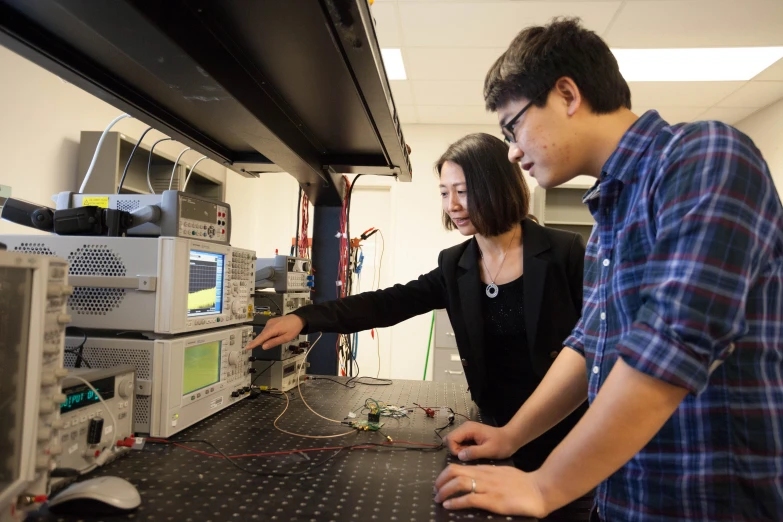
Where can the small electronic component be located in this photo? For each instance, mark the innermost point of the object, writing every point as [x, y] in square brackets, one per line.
[366, 425]
[428, 411]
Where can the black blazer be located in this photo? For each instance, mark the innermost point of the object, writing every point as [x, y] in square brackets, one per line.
[553, 266]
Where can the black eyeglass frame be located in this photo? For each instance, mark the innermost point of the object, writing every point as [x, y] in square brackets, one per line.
[509, 126]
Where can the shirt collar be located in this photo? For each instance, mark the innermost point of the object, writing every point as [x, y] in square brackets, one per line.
[632, 147]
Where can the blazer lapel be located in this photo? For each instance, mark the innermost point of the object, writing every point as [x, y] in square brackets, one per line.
[534, 242]
[469, 284]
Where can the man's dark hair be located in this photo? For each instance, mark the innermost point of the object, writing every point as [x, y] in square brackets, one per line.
[541, 55]
[498, 196]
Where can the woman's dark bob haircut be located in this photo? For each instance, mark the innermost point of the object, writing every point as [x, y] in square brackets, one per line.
[498, 196]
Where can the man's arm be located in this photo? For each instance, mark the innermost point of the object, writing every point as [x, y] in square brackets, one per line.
[626, 414]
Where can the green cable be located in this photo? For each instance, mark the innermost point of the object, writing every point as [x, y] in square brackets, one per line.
[429, 344]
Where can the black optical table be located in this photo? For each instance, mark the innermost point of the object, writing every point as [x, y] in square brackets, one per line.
[361, 484]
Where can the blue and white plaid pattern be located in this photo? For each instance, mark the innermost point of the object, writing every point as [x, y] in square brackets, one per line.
[684, 281]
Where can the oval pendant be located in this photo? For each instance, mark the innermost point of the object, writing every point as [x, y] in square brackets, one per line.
[492, 290]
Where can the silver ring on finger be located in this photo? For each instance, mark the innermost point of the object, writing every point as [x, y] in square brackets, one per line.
[473, 485]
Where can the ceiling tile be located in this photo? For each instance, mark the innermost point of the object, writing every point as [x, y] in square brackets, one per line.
[481, 24]
[455, 115]
[673, 114]
[680, 94]
[755, 94]
[407, 114]
[401, 90]
[426, 63]
[448, 92]
[730, 115]
[387, 25]
[697, 23]
[772, 73]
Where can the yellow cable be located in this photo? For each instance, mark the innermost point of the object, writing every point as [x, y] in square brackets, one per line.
[287, 402]
[278, 428]
[298, 387]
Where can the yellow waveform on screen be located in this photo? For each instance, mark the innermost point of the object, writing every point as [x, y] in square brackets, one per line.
[202, 299]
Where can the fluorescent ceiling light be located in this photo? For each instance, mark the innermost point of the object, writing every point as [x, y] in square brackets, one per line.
[392, 61]
[695, 65]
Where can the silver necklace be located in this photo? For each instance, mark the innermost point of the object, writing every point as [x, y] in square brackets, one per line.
[492, 289]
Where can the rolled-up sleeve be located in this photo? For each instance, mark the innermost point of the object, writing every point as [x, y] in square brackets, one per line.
[708, 240]
[575, 341]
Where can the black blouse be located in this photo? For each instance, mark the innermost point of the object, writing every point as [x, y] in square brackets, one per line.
[510, 378]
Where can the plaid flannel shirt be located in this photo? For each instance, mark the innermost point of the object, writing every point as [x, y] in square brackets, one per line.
[684, 282]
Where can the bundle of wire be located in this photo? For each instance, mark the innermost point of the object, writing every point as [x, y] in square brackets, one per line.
[384, 410]
[304, 242]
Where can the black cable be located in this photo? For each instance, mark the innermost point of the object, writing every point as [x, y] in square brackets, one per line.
[352, 382]
[291, 397]
[80, 354]
[348, 232]
[125, 172]
[271, 363]
[79, 359]
[260, 294]
[298, 215]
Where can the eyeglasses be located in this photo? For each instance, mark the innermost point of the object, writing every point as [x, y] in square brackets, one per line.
[508, 128]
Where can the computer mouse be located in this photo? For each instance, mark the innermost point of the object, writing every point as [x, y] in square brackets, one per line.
[98, 496]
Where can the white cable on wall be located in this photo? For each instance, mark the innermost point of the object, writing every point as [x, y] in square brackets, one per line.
[173, 170]
[191, 172]
[98, 150]
[149, 162]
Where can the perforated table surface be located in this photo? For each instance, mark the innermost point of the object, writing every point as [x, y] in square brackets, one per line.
[360, 484]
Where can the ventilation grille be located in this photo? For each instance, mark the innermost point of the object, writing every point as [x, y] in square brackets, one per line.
[128, 205]
[141, 411]
[34, 248]
[95, 260]
[109, 357]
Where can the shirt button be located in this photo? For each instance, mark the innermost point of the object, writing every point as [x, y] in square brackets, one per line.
[603, 316]
[595, 370]
[606, 262]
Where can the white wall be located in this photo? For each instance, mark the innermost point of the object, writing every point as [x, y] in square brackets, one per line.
[41, 118]
[765, 128]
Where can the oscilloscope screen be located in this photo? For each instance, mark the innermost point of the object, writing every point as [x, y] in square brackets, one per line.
[205, 286]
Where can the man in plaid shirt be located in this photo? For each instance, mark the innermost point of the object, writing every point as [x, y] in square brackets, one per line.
[681, 334]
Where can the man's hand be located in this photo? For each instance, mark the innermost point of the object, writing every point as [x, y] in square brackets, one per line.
[278, 331]
[473, 441]
[500, 489]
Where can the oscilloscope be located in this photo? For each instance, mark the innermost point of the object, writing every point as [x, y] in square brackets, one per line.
[179, 380]
[164, 285]
[33, 292]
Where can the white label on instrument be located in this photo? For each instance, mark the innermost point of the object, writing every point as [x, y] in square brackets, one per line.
[455, 357]
[72, 449]
[217, 402]
[108, 429]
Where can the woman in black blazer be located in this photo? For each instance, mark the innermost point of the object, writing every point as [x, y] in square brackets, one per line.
[509, 327]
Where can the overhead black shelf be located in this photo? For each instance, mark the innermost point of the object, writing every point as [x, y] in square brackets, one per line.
[258, 85]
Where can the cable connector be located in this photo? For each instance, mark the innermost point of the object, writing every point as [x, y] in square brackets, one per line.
[127, 442]
[429, 411]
